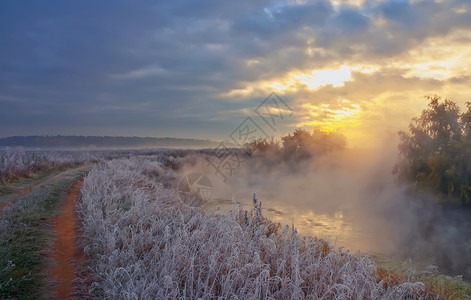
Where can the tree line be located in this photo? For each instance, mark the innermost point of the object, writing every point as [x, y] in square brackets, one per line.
[299, 145]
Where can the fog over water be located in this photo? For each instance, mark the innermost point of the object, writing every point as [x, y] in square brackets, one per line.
[351, 199]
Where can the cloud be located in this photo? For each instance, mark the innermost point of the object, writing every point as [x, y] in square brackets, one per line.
[160, 67]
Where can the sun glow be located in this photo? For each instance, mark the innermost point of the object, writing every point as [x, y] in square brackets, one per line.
[342, 115]
[295, 81]
[318, 78]
[313, 80]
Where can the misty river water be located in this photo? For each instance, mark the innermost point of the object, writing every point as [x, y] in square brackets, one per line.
[442, 243]
[352, 200]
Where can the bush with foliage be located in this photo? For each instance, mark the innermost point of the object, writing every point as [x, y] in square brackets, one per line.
[436, 153]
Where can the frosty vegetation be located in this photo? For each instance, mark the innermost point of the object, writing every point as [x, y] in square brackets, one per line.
[16, 164]
[142, 242]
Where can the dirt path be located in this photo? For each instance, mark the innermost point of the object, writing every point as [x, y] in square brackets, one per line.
[65, 251]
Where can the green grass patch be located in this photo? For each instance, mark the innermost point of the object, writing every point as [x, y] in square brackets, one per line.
[10, 187]
[25, 236]
[5, 190]
[446, 287]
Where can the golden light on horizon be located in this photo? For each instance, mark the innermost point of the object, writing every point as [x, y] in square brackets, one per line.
[365, 99]
[333, 112]
[342, 115]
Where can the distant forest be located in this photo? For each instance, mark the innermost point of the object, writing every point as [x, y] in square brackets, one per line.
[92, 142]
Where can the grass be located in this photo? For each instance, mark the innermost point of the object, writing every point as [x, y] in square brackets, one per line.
[444, 286]
[6, 190]
[24, 236]
[142, 242]
[449, 287]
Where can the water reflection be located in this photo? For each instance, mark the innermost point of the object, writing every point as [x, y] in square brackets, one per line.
[338, 228]
[335, 228]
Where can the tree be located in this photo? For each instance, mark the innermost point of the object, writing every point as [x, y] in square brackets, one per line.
[436, 152]
[301, 144]
[263, 145]
[304, 144]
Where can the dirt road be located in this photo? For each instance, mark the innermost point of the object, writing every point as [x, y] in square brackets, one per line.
[65, 251]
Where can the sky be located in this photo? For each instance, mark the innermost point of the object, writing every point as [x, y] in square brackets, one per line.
[202, 69]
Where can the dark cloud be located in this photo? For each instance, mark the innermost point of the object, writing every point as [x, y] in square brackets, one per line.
[349, 21]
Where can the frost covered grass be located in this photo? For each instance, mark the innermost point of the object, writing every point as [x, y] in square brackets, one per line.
[18, 165]
[142, 242]
[15, 164]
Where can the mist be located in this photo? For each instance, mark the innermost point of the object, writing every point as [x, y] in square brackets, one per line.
[350, 198]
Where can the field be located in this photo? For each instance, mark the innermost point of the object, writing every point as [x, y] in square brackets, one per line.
[134, 236]
[224, 150]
